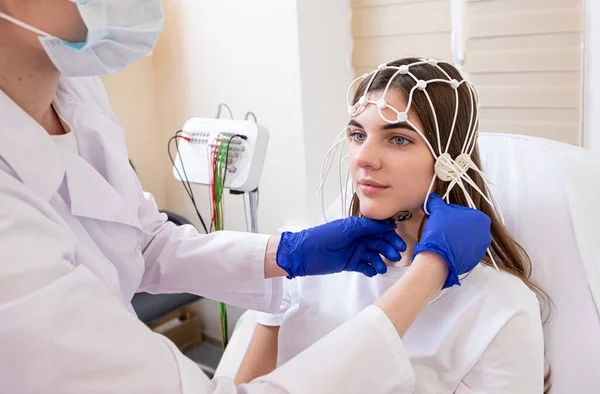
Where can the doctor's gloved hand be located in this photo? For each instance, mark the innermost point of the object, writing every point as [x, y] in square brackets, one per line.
[459, 234]
[350, 244]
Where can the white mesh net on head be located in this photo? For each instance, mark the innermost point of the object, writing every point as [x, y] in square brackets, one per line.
[453, 170]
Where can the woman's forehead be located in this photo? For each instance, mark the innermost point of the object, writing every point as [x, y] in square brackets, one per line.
[393, 97]
[370, 117]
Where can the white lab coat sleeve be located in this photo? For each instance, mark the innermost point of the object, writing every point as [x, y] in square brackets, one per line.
[514, 360]
[276, 319]
[225, 266]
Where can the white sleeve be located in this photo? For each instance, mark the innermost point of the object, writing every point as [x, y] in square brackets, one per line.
[224, 266]
[63, 331]
[514, 360]
[276, 319]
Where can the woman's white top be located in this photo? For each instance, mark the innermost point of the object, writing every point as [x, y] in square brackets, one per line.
[482, 337]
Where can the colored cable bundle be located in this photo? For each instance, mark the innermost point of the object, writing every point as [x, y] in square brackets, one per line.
[219, 162]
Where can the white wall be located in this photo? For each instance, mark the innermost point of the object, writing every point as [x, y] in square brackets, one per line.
[325, 45]
[289, 62]
[133, 98]
[245, 54]
[591, 83]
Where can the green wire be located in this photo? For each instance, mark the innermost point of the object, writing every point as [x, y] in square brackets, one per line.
[220, 167]
[223, 325]
[219, 182]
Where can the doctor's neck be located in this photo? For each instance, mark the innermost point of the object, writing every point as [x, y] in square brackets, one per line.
[27, 76]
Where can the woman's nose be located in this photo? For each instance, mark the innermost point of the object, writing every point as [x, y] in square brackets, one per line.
[368, 156]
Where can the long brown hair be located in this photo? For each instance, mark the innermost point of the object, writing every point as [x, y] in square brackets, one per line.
[508, 254]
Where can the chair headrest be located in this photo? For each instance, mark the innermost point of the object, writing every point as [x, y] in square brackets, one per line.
[547, 191]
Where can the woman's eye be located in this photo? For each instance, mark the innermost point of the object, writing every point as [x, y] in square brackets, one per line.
[400, 140]
[359, 137]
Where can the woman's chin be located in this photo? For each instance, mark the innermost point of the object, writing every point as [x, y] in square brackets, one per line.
[376, 214]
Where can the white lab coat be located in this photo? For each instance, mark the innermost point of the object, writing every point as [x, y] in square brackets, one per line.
[78, 238]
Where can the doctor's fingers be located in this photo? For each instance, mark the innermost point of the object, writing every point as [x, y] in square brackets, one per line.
[389, 248]
[392, 238]
[366, 269]
[374, 260]
[356, 227]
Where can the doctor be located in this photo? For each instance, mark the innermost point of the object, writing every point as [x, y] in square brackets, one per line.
[78, 237]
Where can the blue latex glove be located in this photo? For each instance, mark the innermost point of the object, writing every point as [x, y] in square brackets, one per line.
[459, 234]
[351, 244]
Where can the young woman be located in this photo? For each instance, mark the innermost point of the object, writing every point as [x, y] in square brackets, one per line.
[413, 132]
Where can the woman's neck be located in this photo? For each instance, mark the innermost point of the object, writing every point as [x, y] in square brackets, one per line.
[409, 232]
[28, 77]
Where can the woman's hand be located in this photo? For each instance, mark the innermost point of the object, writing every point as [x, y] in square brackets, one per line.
[460, 235]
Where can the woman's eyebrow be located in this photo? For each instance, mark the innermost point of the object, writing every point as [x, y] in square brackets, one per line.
[355, 124]
[387, 126]
[394, 126]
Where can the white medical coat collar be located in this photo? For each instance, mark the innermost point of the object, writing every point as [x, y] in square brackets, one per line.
[43, 165]
[27, 149]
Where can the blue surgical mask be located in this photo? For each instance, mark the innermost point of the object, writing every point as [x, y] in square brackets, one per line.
[119, 33]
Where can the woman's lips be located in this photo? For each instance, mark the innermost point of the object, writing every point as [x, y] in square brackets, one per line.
[369, 187]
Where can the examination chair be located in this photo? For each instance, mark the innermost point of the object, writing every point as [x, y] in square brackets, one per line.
[549, 193]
